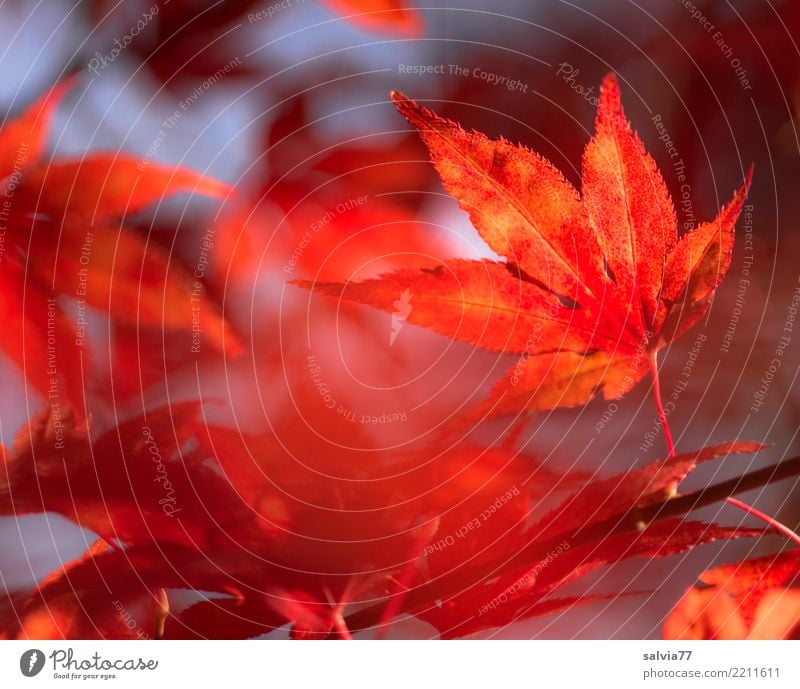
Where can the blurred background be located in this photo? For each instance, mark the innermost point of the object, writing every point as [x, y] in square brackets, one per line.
[288, 102]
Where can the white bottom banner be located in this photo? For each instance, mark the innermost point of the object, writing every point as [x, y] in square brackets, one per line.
[388, 664]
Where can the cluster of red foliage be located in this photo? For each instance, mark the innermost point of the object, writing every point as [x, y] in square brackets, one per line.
[206, 531]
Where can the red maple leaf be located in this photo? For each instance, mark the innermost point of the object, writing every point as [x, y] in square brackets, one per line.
[299, 536]
[65, 239]
[593, 284]
[754, 599]
[384, 16]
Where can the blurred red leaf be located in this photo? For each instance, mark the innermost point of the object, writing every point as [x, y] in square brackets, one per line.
[528, 565]
[66, 241]
[754, 599]
[384, 16]
[295, 532]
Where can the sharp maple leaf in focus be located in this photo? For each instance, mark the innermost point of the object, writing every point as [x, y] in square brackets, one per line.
[63, 232]
[593, 283]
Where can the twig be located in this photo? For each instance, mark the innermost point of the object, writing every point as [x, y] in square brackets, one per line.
[662, 416]
[774, 523]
